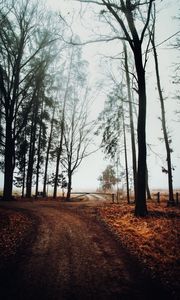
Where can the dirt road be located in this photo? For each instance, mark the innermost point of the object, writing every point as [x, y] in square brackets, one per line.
[69, 255]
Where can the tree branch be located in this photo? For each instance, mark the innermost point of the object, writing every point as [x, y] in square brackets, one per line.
[106, 40]
[147, 20]
[120, 21]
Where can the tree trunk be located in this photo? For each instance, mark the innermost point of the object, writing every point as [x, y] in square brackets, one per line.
[38, 160]
[131, 120]
[10, 108]
[9, 162]
[62, 130]
[47, 154]
[31, 160]
[58, 162]
[171, 201]
[24, 175]
[68, 196]
[147, 185]
[126, 161]
[39, 150]
[140, 200]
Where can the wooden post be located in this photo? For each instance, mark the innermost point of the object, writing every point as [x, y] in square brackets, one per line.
[112, 198]
[177, 200]
[158, 197]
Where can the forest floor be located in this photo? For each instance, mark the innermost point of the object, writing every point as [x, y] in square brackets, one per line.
[88, 250]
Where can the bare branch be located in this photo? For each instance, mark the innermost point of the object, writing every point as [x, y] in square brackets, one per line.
[89, 1]
[147, 20]
[106, 40]
[120, 21]
[42, 46]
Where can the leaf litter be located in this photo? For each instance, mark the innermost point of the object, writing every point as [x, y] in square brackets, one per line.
[14, 227]
[153, 240]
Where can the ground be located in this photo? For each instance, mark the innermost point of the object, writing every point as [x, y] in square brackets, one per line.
[55, 250]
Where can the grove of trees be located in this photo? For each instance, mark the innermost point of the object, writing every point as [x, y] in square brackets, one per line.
[42, 86]
[133, 24]
[45, 131]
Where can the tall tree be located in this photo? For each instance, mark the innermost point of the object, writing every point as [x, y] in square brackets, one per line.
[42, 139]
[74, 77]
[125, 156]
[131, 119]
[32, 141]
[62, 121]
[124, 14]
[113, 127]
[21, 162]
[35, 119]
[167, 139]
[49, 145]
[77, 138]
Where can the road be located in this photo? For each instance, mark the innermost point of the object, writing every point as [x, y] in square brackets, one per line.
[70, 255]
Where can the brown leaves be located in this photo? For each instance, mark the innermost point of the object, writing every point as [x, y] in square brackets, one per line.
[13, 228]
[154, 240]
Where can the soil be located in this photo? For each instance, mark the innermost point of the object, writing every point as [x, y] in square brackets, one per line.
[68, 254]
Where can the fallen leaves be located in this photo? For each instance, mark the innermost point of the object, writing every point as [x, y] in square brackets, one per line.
[13, 229]
[154, 240]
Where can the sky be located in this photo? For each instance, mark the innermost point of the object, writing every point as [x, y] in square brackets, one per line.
[86, 177]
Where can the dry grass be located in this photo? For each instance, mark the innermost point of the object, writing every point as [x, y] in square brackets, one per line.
[154, 240]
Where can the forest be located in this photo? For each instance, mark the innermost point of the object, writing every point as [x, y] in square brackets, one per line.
[44, 101]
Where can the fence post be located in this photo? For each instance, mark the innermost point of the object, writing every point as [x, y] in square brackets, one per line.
[177, 200]
[158, 197]
[112, 198]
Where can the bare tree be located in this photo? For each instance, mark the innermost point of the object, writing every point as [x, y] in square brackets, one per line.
[49, 145]
[62, 122]
[114, 129]
[131, 119]
[37, 119]
[77, 137]
[124, 14]
[167, 139]
[74, 75]
[126, 157]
